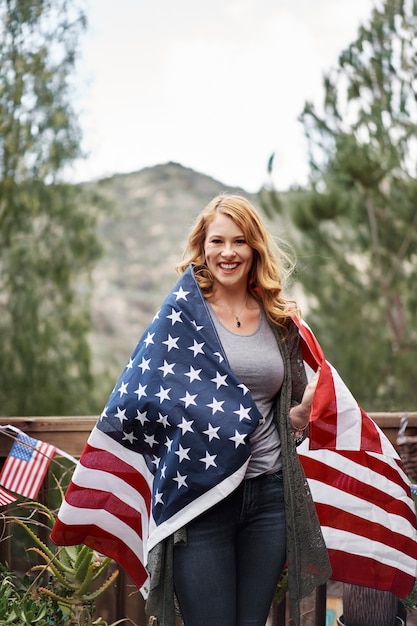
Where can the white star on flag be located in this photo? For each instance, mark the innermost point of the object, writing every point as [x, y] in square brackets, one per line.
[171, 342]
[216, 405]
[197, 348]
[121, 414]
[141, 416]
[181, 480]
[193, 374]
[189, 399]
[186, 426]
[243, 413]
[175, 316]
[163, 394]
[181, 294]
[209, 460]
[211, 432]
[144, 365]
[149, 338]
[122, 389]
[163, 419]
[141, 391]
[220, 380]
[167, 368]
[182, 453]
[238, 438]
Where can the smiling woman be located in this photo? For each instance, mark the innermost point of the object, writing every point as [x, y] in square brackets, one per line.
[208, 411]
[239, 270]
[229, 258]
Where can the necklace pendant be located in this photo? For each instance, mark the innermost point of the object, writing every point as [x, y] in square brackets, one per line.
[237, 323]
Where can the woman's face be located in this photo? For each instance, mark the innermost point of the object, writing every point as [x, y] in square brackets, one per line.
[228, 256]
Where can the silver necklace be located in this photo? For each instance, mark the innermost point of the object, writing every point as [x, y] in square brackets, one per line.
[236, 316]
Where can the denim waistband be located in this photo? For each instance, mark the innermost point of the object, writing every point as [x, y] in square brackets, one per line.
[277, 474]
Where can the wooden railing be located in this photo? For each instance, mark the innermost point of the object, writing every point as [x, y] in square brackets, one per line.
[70, 435]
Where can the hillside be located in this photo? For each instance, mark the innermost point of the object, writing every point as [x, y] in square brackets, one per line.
[142, 237]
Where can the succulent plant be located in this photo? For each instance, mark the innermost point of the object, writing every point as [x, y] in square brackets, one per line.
[71, 591]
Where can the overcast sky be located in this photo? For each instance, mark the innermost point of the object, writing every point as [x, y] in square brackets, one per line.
[216, 85]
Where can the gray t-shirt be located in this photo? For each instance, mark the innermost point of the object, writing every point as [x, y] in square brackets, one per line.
[256, 360]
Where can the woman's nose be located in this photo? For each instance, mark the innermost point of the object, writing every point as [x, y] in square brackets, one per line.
[228, 251]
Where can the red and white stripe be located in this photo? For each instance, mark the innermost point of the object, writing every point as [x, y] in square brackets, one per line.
[107, 505]
[360, 490]
[6, 497]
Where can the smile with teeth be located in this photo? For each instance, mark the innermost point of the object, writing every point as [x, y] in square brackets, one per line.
[229, 266]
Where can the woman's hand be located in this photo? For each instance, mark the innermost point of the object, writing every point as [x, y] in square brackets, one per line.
[299, 414]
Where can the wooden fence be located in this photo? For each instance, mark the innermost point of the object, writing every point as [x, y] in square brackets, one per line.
[70, 435]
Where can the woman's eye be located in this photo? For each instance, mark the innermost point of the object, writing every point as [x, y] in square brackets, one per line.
[240, 242]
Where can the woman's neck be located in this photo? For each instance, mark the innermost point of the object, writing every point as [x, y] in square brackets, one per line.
[234, 299]
[236, 310]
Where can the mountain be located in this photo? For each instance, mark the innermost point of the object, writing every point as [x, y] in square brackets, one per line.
[143, 235]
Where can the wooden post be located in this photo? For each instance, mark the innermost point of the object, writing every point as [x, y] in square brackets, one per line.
[121, 595]
[5, 552]
[321, 599]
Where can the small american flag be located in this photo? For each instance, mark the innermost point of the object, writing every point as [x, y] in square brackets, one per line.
[6, 497]
[26, 465]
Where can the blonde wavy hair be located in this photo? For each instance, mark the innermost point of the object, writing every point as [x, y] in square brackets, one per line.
[271, 265]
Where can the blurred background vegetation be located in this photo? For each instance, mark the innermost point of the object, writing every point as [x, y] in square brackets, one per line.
[84, 267]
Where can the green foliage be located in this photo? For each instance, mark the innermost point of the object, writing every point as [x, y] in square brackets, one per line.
[16, 607]
[282, 586]
[410, 602]
[47, 236]
[355, 224]
[23, 603]
[74, 576]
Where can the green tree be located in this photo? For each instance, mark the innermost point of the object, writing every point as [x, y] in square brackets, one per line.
[47, 237]
[355, 223]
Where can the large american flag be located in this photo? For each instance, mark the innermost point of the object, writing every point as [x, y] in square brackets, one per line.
[26, 465]
[173, 440]
[360, 490]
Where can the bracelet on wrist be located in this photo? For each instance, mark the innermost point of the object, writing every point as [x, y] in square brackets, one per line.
[299, 429]
[298, 433]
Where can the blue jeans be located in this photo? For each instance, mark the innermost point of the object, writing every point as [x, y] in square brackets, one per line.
[227, 573]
